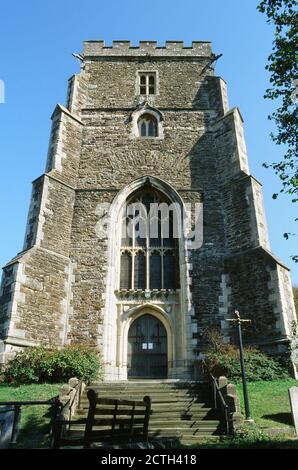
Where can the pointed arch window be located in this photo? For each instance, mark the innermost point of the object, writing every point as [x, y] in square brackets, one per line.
[148, 126]
[149, 257]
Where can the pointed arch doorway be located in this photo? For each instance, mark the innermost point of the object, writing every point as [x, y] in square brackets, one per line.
[147, 349]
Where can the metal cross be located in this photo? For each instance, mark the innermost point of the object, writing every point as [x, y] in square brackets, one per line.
[238, 321]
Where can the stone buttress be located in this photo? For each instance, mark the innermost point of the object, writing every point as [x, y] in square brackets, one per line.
[63, 288]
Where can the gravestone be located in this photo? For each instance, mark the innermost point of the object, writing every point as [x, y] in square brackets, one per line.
[293, 395]
[6, 426]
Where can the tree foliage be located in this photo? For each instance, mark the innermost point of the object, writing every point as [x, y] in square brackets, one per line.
[223, 358]
[283, 67]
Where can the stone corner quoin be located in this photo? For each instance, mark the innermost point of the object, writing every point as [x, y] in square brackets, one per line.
[144, 121]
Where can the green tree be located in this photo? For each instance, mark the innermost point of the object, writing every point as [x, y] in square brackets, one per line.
[283, 67]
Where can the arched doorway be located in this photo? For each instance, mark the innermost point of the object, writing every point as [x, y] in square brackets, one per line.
[173, 302]
[147, 349]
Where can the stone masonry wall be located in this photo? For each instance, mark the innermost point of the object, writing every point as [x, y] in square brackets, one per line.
[258, 268]
[110, 159]
[55, 291]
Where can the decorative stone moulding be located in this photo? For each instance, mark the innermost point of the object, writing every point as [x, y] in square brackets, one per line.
[143, 294]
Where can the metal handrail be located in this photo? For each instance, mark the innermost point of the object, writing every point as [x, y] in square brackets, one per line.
[16, 408]
[55, 402]
[29, 403]
[222, 406]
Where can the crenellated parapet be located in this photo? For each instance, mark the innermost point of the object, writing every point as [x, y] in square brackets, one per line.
[171, 48]
[153, 122]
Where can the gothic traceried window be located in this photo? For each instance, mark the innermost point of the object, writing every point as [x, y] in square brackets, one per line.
[149, 251]
[148, 126]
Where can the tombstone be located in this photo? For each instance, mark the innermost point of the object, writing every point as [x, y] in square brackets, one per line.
[6, 426]
[293, 395]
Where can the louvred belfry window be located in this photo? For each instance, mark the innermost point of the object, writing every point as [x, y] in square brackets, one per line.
[149, 251]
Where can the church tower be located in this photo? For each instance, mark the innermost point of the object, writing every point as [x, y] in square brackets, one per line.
[143, 126]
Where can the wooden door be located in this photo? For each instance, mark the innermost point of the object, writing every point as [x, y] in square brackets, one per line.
[147, 349]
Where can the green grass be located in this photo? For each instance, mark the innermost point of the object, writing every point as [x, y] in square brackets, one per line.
[269, 403]
[270, 409]
[251, 440]
[35, 420]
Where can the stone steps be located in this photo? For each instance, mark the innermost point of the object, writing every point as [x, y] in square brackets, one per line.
[162, 413]
[153, 392]
[159, 424]
[164, 393]
[179, 410]
[162, 387]
[158, 401]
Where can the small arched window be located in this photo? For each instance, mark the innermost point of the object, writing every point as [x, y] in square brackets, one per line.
[148, 126]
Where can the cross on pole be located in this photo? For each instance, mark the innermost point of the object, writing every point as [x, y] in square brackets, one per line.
[238, 321]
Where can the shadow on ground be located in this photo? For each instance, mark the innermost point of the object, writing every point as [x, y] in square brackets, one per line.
[35, 430]
[284, 418]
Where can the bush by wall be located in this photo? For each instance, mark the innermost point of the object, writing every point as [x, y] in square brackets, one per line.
[223, 359]
[52, 365]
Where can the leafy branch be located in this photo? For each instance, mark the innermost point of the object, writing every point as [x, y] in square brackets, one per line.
[283, 67]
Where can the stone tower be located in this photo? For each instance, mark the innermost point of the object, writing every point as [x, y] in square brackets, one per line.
[144, 123]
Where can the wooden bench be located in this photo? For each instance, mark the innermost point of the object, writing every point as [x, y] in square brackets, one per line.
[109, 420]
[116, 420]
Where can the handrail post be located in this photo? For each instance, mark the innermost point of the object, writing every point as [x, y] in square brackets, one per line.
[57, 423]
[14, 433]
[131, 429]
[227, 420]
[215, 392]
[114, 418]
[69, 417]
[147, 401]
[80, 393]
[57, 432]
[92, 397]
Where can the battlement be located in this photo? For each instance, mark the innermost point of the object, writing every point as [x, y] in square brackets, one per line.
[125, 48]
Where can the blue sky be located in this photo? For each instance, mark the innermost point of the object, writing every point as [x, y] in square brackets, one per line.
[36, 41]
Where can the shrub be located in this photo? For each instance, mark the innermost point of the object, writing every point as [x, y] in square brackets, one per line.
[52, 365]
[223, 359]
